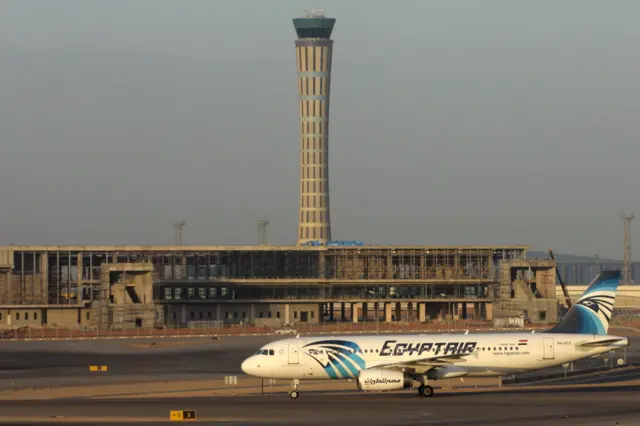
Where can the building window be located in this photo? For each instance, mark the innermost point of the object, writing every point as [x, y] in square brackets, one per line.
[226, 315]
[202, 292]
[191, 315]
[26, 316]
[209, 314]
[87, 315]
[312, 314]
[244, 315]
[167, 293]
[277, 314]
[268, 315]
[295, 314]
[235, 315]
[17, 316]
[201, 315]
[213, 292]
[190, 292]
[261, 314]
[177, 293]
[0, 316]
[174, 315]
[543, 315]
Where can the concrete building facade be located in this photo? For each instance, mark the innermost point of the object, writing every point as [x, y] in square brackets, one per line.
[314, 50]
[151, 286]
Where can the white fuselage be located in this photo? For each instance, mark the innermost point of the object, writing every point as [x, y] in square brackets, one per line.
[321, 358]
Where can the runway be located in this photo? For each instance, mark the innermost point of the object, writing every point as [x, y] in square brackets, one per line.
[44, 382]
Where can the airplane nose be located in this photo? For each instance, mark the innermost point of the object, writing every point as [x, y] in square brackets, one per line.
[248, 366]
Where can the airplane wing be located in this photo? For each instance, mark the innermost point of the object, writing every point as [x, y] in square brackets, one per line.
[423, 364]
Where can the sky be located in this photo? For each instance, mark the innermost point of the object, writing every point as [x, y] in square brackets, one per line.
[452, 122]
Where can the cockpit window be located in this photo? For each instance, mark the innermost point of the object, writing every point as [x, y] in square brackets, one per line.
[265, 352]
[271, 352]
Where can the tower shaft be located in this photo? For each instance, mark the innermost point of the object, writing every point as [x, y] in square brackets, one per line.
[313, 61]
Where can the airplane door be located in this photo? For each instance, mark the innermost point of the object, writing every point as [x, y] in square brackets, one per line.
[547, 348]
[294, 353]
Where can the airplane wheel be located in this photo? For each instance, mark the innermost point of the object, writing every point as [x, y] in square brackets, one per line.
[425, 391]
[294, 394]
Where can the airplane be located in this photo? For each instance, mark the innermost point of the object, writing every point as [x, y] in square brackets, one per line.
[393, 362]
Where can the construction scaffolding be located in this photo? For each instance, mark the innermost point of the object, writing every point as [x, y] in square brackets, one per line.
[70, 275]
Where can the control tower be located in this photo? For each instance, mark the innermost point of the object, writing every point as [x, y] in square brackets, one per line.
[313, 60]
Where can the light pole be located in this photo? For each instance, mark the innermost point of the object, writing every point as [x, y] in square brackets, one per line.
[377, 310]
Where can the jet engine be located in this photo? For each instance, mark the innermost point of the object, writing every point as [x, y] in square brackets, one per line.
[378, 379]
[448, 372]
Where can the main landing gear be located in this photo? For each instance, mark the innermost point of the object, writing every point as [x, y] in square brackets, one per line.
[294, 393]
[425, 390]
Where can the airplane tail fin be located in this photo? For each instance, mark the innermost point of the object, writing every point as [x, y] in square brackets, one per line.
[592, 312]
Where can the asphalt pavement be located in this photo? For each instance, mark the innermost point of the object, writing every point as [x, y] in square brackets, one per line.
[586, 407]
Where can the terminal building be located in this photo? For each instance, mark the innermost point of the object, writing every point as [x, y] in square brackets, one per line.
[145, 286]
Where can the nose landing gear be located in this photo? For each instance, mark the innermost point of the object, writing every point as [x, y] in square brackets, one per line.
[294, 393]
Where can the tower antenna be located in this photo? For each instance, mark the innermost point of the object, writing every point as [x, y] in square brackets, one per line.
[626, 267]
[178, 231]
[262, 232]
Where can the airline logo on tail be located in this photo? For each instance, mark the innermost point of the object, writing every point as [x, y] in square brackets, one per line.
[600, 304]
[592, 312]
[598, 300]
